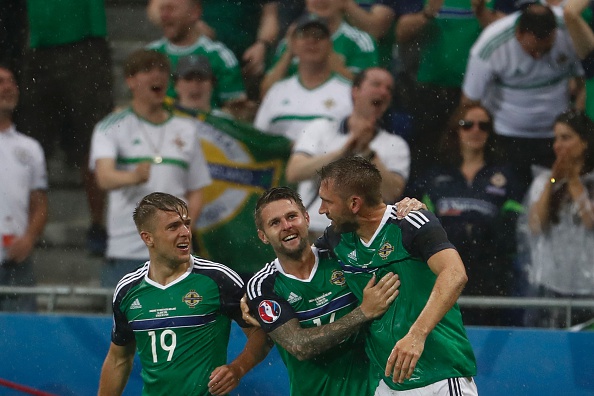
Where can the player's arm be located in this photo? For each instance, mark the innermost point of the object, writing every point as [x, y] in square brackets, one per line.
[451, 278]
[225, 378]
[305, 343]
[116, 369]
[111, 178]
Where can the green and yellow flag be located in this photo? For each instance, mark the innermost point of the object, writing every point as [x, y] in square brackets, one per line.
[243, 163]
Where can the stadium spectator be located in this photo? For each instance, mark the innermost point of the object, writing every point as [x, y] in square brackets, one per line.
[519, 69]
[583, 40]
[561, 221]
[379, 18]
[444, 31]
[182, 37]
[141, 149]
[475, 197]
[360, 133]
[352, 49]
[315, 91]
[176, 311]
[420, 343]
[67, 89]
[320, 361]
[226, 21]
[23, 199]
[194, 84]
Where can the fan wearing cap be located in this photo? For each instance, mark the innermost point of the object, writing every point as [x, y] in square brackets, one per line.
[315, 91]
[178, 21]
[352, 49]
[194, 83]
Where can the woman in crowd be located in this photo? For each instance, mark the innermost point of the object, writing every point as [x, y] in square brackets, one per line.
[561, 221]
[475, 198]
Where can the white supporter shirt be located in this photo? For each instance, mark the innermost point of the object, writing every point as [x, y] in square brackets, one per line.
[524, 94]
[22, 170]
[129, 140]
[288, 106]
[323, 136]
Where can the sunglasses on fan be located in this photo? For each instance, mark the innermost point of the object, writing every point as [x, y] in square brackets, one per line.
[482, 125]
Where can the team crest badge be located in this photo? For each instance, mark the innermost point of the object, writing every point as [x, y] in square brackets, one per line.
[269, 311]
[192, 298]
[385, 250]
[337, 278]
[498, 180]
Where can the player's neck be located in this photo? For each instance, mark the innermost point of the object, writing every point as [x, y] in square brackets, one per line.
[164, 273]
[369, 220]
[300, 268]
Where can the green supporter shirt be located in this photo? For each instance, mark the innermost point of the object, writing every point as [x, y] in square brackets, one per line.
[321, 299]
[446, 44]
[225, 68]
[357, 48]
[403, 247]
[182, 329]
[228, 19]
[60, 22]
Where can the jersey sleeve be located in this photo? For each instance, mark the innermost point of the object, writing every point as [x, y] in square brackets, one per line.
[231, 290]
[479, 73]
[269, 309]
[121, 331]
[229, 83]
[364, 54]
[423, 235]
[102, 145]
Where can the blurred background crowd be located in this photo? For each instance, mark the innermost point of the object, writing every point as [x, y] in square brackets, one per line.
[479, 108]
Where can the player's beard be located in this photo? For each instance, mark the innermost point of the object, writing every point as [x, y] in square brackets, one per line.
[294, 254]
[345, 226]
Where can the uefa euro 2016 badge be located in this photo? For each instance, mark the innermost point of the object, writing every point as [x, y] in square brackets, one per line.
[385, 250]
[192, 298]
[337, 278]
[269, 311]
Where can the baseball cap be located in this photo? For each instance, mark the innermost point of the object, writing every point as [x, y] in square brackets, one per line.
[308, 19]
[193, 65]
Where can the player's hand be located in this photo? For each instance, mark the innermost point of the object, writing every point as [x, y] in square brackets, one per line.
[404, 357]
[378, 297]
[407, 205]
[245, 312]
[223, 380]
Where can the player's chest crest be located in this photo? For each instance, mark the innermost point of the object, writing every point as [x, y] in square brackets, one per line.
[366, 258]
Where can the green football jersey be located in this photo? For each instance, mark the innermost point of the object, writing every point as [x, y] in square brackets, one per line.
[402, 247]
[182, 329]
[224, 65]
[323, 298]
[357, 48]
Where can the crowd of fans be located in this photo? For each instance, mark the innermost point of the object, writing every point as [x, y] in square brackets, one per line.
[499, 143]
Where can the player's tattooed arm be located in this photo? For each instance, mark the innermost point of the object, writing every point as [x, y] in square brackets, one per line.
[305, 343]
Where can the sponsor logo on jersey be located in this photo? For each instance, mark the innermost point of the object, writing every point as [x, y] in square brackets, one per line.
[135, 305]
[337, 278]
[269, 311]
[321, 300]
[385, 250]
[293, 298]
[192, 298]
[353, 255]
